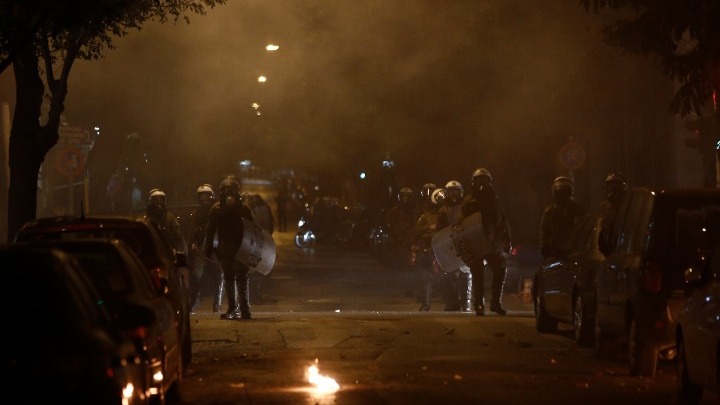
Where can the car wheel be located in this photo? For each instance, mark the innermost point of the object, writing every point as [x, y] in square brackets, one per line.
[583, 323]
[687, 391]
[544, 323]
[303, 240]
[643, 358]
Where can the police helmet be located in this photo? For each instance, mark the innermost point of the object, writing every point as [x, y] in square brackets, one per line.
[427, 190]
[438, 196]
[481, 171]
[157, 197]
[405, 194]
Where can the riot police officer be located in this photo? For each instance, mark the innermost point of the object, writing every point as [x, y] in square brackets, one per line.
[457, 283]
[615, 190]
[203, 269]
[401, 220]
[558, 218]
[485, 200]
[425, 228]
[157, 212]
[226, 218]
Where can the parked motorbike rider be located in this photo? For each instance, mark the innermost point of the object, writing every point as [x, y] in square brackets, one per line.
[157, 212]
[484, 199]
[558, 218]
[226, 217]
[424, 259]
[401, 220]
[203, 269]
[615, 190]
[457, 284]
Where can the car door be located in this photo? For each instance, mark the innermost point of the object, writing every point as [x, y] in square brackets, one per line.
[701, 327]
[613, 277]
[565, 276]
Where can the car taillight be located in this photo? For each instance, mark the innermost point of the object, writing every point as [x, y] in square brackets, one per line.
[651, 279]
[137, 333]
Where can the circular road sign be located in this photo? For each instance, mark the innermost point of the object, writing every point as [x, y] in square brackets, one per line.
[70, 161]
[571, 156]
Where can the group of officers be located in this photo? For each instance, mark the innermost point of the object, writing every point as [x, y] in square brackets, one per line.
[215, 236]
[412, 227]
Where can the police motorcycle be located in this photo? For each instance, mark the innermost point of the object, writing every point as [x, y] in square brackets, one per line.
[304, 237]
[326, 220]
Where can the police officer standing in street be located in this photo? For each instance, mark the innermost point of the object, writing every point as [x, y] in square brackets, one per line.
[158, 213]
[425, 228]
[558, 218]
[457, 284]
[483, 199]
[203, 269]
[401, 221]
[226, 218]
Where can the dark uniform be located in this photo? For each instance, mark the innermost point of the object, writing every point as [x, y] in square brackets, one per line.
[425, 228]
[558, 219]
[483, 199]
[401, 221]
[203, 269]
[226, 217]
[615, 190]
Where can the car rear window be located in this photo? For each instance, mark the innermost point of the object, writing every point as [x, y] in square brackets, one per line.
[689, 227]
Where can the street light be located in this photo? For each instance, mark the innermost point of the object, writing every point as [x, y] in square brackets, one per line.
[272, 47]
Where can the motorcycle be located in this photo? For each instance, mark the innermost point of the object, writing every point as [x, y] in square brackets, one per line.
[304, 237]
[339, 227]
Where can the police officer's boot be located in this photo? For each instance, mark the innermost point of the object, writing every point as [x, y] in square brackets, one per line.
[497, 291]
[450, 296]
[426, 292]
[233, 311]
[244, 295]
[466, 292]
[218, 299]
[478, 293]
[195, 292]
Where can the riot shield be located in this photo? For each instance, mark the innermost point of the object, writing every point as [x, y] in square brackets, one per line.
[445, 252]
[458, 244]
[257, 250]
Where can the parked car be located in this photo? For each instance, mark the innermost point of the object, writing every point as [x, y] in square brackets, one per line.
[167, 267]
[122, 279]
[59, 343]
[698, 334]
[564, 288]
[656, 237]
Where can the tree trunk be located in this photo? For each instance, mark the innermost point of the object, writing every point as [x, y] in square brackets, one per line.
[29, 141]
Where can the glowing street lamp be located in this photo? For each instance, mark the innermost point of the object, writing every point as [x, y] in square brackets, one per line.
[272, 47]
[262, 79]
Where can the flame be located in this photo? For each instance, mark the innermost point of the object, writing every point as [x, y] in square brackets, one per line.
[323, 384]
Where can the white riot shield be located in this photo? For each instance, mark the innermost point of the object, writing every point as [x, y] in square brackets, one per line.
[458, 244]
[470, 239]
[257, 250]
[445, 252]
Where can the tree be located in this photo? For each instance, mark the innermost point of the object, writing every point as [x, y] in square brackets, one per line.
[684, 38]
[42, 39]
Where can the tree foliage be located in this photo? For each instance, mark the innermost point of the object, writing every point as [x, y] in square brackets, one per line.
[683, 36]
[41, 39]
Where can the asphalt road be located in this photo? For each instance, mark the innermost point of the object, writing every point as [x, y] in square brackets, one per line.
[344, 310]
